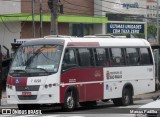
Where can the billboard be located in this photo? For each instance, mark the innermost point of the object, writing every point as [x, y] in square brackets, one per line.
[125, 28]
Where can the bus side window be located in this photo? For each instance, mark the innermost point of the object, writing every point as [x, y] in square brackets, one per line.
[100, 56]
[145, 56]
[117, 57]
[69, 59]
[85, 57]
[108, 61]
[132, 56]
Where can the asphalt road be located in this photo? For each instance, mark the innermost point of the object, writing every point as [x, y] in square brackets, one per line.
[101, 110]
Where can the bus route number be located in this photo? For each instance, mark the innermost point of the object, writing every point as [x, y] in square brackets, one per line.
[36, 80]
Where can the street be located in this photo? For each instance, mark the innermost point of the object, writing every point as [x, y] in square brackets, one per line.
[101, 110]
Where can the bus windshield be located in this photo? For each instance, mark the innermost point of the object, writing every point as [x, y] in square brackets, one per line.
[35, 60]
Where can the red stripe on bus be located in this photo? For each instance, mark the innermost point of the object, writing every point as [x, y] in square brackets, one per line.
[8, 80]
[18, 81]
[87, 92]
[83, 44]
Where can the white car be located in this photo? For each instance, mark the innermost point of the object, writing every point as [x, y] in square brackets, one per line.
[151, 109]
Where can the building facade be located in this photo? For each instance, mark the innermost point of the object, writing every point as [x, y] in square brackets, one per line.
[133, 7]
[152, 10]
[79, 17]
[9, 29]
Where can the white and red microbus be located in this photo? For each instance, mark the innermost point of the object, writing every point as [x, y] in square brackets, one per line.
[72, 70]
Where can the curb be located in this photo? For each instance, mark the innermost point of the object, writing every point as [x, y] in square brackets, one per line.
[146, 96]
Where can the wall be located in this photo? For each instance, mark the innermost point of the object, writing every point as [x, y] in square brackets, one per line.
[7, 7]
[27, 29]
[71, 7]
[78, 7]
[111, 7]
[8, 32]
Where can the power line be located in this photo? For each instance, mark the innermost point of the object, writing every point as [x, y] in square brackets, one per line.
[106, 11]
[14, 16]
[7, 26]
[76, 4]
[98, 10]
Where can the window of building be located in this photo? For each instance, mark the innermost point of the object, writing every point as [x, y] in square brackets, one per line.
[132, 56]
[117, 56]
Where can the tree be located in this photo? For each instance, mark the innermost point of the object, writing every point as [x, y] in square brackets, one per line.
[152, 30]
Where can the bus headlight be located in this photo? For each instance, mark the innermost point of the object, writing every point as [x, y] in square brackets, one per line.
[50, 85]
[9, 86]
[46, 86]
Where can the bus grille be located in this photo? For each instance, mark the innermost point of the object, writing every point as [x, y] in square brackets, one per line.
[32, 97]
[27, 88]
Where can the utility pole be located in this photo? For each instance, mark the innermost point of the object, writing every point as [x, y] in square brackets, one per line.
[41, 25]
[53, 5]
[157, 22]
[0, 74]
[33, 23]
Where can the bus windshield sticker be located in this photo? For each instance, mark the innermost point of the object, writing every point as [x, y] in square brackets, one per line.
[46, 66]
[19, 68]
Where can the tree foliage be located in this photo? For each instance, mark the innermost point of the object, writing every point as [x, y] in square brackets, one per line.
[152, 29]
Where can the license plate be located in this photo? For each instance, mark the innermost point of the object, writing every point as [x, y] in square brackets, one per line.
[26, 93]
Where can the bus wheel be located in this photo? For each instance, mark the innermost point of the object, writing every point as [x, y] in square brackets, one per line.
[70, 102]
[126, 97]
[125, 100]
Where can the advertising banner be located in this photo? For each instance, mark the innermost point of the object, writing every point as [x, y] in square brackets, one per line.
[125, 28]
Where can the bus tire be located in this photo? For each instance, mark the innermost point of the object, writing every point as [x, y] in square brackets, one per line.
[126, 97]
[125, 100]
[70, 102]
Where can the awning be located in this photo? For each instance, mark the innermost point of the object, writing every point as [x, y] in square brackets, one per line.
[47, 18]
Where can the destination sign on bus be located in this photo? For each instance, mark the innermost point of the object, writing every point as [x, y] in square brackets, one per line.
[44, 49]
[125, 28]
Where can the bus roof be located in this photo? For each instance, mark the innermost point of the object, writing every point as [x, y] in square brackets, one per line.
[84, 41]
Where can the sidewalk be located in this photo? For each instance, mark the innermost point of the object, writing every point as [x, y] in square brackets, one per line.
[137, 97]
[147, 95]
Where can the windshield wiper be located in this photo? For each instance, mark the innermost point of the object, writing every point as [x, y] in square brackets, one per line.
[39, 69]
[20, 70]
